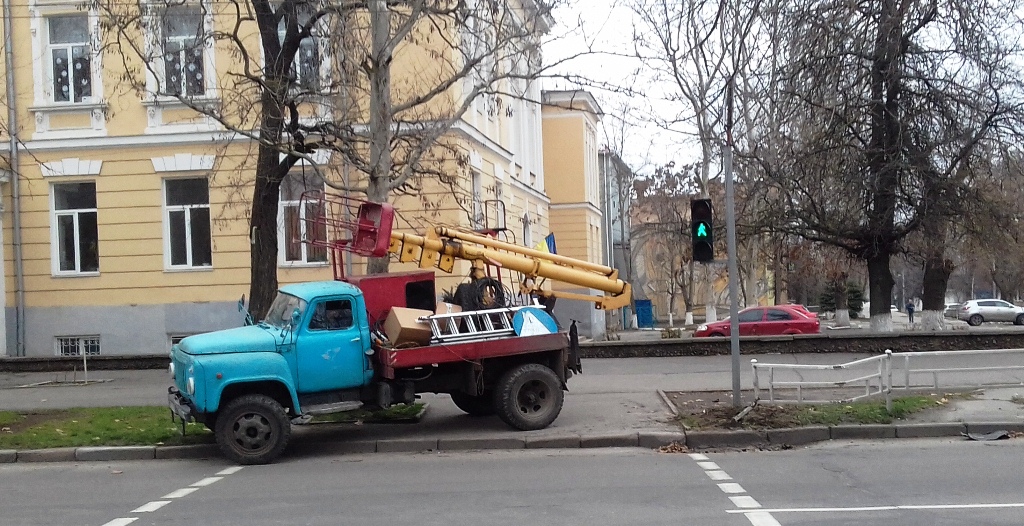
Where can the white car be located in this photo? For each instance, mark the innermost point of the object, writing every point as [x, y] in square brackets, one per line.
[976, 312]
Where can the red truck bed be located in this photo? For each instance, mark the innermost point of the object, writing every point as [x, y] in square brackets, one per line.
[391, 359]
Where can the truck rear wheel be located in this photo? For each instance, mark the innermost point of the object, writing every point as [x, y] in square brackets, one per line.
[528, 397]
[253, 429]
[482, 405]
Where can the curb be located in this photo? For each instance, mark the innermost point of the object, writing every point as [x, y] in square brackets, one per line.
[694, 440]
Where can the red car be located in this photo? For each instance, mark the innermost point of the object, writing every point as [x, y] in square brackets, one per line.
[766, 321]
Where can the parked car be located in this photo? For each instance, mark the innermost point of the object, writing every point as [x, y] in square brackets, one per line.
[766, 321]
[951, 310]
[976, 312]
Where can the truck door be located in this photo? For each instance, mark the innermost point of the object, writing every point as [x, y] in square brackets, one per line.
[329, 348]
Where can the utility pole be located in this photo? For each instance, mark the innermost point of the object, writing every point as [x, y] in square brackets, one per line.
[730, 235]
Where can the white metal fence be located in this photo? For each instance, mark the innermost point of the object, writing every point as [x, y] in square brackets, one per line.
[880, 375]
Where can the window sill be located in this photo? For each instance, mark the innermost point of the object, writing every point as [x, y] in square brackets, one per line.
[188, 269]
[172, 101]
[63, 275]
[96, 127]
[301, 264]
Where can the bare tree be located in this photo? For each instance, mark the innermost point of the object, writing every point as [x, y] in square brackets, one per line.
[317, 75]
[887, 101]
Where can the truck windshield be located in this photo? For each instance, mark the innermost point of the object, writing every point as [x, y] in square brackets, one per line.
[280, 313]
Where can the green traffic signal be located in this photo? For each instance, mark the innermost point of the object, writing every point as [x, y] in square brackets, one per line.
[702, 230]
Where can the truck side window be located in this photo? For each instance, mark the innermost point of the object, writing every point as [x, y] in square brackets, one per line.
[331, 315]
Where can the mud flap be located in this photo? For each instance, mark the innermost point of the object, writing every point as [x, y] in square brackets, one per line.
[574, 364]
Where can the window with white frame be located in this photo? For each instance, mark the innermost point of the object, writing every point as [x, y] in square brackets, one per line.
[305, 70]
[299, 225]
[77, 345]
[75, 234]
[183, 51]
[187, 219]
[70, 57]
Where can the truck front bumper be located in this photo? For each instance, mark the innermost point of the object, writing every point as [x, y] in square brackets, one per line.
[179, 405]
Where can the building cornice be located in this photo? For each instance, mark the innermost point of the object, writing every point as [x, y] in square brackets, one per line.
[576, 206]
[99, 143]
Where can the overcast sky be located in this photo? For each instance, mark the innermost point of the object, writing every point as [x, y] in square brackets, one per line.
[605, 33]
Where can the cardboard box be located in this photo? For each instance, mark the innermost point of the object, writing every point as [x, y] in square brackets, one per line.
[403, 329]
[447, 325]
[446, 308]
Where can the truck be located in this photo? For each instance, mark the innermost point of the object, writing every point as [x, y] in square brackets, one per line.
[331, 346]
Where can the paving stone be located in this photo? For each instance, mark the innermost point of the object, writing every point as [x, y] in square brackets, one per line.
[193, 451]
[564, 442]
[863, 431]
[796, 436]
[8, 455]
[610, 440]
[929, 430]
[712, 439]
[656, 439]
[406, 445]
[115, 453]
[60, 454]
[463, 444]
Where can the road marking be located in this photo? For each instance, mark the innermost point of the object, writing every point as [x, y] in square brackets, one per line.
[206, 482]
[718, 475]
[121, 522]
[230, 471]
[891, 508]
[761, 518]
[745, 501]
[178, 493]
[151, 506]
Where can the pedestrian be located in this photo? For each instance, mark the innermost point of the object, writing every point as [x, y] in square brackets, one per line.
[910, 311]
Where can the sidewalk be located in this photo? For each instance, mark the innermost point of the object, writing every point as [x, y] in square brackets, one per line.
[615, 403]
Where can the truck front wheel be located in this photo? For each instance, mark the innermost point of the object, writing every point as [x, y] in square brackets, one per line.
[253, 429]
[482, 405]
[528, 397]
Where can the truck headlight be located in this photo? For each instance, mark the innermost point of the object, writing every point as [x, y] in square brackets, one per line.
[191, 386]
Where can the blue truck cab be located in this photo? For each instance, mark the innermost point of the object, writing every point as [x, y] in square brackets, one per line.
[313, 350]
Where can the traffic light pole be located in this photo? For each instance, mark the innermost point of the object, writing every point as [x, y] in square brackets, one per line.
[730, 235]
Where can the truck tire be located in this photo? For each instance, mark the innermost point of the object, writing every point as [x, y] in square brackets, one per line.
[528, 397]
[253, 429]
[482, 405]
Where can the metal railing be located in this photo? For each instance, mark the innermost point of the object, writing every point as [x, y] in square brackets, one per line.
[873, 380]
[875, 375]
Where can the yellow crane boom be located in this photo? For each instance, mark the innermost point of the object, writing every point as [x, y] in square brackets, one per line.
[441, 246]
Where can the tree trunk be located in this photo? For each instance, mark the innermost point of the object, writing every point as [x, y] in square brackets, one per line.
[881, 283]
[842, 302]
[933, 298]
[263, 252]
[380, 116]
[266, 196]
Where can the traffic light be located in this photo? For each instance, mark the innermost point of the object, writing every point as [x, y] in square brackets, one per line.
[700, 227]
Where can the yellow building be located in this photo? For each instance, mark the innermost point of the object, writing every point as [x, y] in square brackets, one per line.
[574, 186]
[127, 225]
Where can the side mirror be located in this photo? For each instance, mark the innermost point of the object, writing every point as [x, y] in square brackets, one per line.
[241, 308]
[295, 317]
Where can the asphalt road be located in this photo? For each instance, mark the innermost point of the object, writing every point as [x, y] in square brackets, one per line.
[923, 482]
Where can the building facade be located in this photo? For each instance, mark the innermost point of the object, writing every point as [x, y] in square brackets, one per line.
[575, 188]
[126, 214]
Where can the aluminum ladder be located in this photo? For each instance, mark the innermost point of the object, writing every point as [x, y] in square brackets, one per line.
[474, 325]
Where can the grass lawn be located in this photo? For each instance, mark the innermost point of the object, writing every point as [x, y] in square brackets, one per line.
[137, 426]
